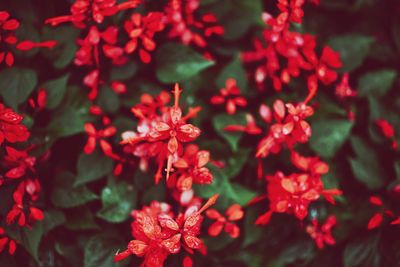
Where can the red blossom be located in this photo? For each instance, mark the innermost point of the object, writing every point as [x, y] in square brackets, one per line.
[143, 28]
[11, 129]
[322, 234]
[187, 26]
[231, 96]
[233, 213]
[85, 11]
[99, 136]
[387, 131]
[157, 234]
[19, 162]
[343, 89]
[161, 135]
[190, 169]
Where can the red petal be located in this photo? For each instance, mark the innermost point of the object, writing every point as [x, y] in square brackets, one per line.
[375, 221]
[215, 228]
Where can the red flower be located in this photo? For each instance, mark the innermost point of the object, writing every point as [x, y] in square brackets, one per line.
[162, 136]
[100, 136]
[4, 239]
[231, 95]
[158, 235]
[190, 168]
[234, 213]
[20, 209]
[375, 221]
[11, 128]
[186, 26]
[19, 162]
[343, 89]
[289, 129]
[85, 11]
[322, 234]
[250, 128]
[143, 28]
[8, 26]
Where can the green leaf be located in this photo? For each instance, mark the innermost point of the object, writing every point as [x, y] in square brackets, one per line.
[123, 72]
[81, 219]
[329, 135]
[240, 16]
[64, 52]
[29, 238]
[92, 167]
[362, 252]
[230, 193]
[177, 62]
[118, 201]
[353, 49]
[236, 162]
[52, 219]
[366, 166]
[108, 100]
[376, 83]
[233, 70]
[66, 122]
[64, 195]
[99, 251]
[222, 120]
[16, 85]
[55, 91]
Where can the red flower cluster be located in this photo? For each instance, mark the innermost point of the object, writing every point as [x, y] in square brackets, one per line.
[322, 234]
[20, 166]
[289, 129]
[294, 193]
[158, 234]
[185, 25]
[8, 26]
[85, 11]
[161, 133]
[231, 95]
[143, 28]
[233, 213]
[297, 49]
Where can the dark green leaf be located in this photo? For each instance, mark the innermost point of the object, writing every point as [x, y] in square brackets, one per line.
[222, 120]
[118, 201]
[52, 219]
[29, 238]
[329, 135]
[16, 85]
[92, 167]
[64, 52]
[123, 72]
[176, 62]
[108, 100]
[64, 195]
[353, 49]
[376, 83]
[66, 122]
[55, 91]
[100, 251]
[362, 252]
[81, 219]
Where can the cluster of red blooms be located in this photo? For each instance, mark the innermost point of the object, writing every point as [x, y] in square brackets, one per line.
[387, 131]
[297, 49]
[158, 233]
[322, 234]
[377, 219]
[231, 95]
[294, 193]
[233, 213]
[18, 166]
[161, 133]
[186, 26]
[8, 26]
